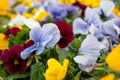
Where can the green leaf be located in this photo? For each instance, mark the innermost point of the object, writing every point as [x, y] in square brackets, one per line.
[77, 43]
[77, 77]
[21, 34]
[3, 71]
[1, 62]
[17, 76]
[2, 30]
[20, 38]
[54, 53]
[37, 71]
[62, 54]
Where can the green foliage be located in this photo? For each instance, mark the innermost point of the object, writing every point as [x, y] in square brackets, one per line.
[20, 38]
[17, 76]
[37, 71]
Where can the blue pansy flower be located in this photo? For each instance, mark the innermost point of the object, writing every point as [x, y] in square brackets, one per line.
[88, 54]
[106, 9]
[21, 9]
[82, 27]
[57, 12]
[110, 29]
[47, 36]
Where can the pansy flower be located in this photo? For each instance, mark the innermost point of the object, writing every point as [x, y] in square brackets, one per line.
[108, 77]
[113, 58]
[21, 9]
[12, 60]
[55, 70]
[109, 28]
[4, 7]
[65, 32]
[47, 36]
[20, 20]
[57, 12]
[12, 32]
[88, 53]
[81, 26]
[105, 11]
[90, 3]
[67, 2]
[3, 42]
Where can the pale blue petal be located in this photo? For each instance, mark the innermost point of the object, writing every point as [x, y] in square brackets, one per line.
[88, 48]
[53, 31]
[95, 31]
[39, 50]
[107, 29]
[95, 19]
[80, 26]
[91, 51]
[85, 62]
[116, 21]
[27, 52]
[35, 34]
[90, 11]
[107, 7]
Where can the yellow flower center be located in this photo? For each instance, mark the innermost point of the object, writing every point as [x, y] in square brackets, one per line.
[16, 62]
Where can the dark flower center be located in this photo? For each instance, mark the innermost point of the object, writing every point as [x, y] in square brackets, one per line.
[16, 62]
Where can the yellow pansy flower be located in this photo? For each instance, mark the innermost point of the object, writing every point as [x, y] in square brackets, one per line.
[4, 7]
[27, 15]
[113, 58]
[3, 42]
[55, 70]
[108, 77]
[34, 10]
[67, 2]
[11, 15]
[40, 15]
[116, 11]
[27, 3]
[90, 3]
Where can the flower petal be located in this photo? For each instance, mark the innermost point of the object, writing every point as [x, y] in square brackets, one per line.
[27, 52]
[79, 26]
[39, 50]
[107, 7]
[87, 47]
[94, 19]
[117, 21]
[18, 20]
[52, 30]
[31, 23]
[35, 34]
[90, 55]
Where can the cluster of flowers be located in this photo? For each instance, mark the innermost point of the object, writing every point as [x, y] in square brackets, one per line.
[39, 35]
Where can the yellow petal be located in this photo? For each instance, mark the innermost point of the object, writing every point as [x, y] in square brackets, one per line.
[108, 77]
[27, 15]
[90, 3]
[55, 70]
[3, 42]
[113, 58]
[54, 62]
[4, 7]
[63, 70]
[41, 16]
[67, 2]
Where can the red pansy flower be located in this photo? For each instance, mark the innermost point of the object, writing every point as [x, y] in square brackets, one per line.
[65, 32]
[12, 32]
[12, 60]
